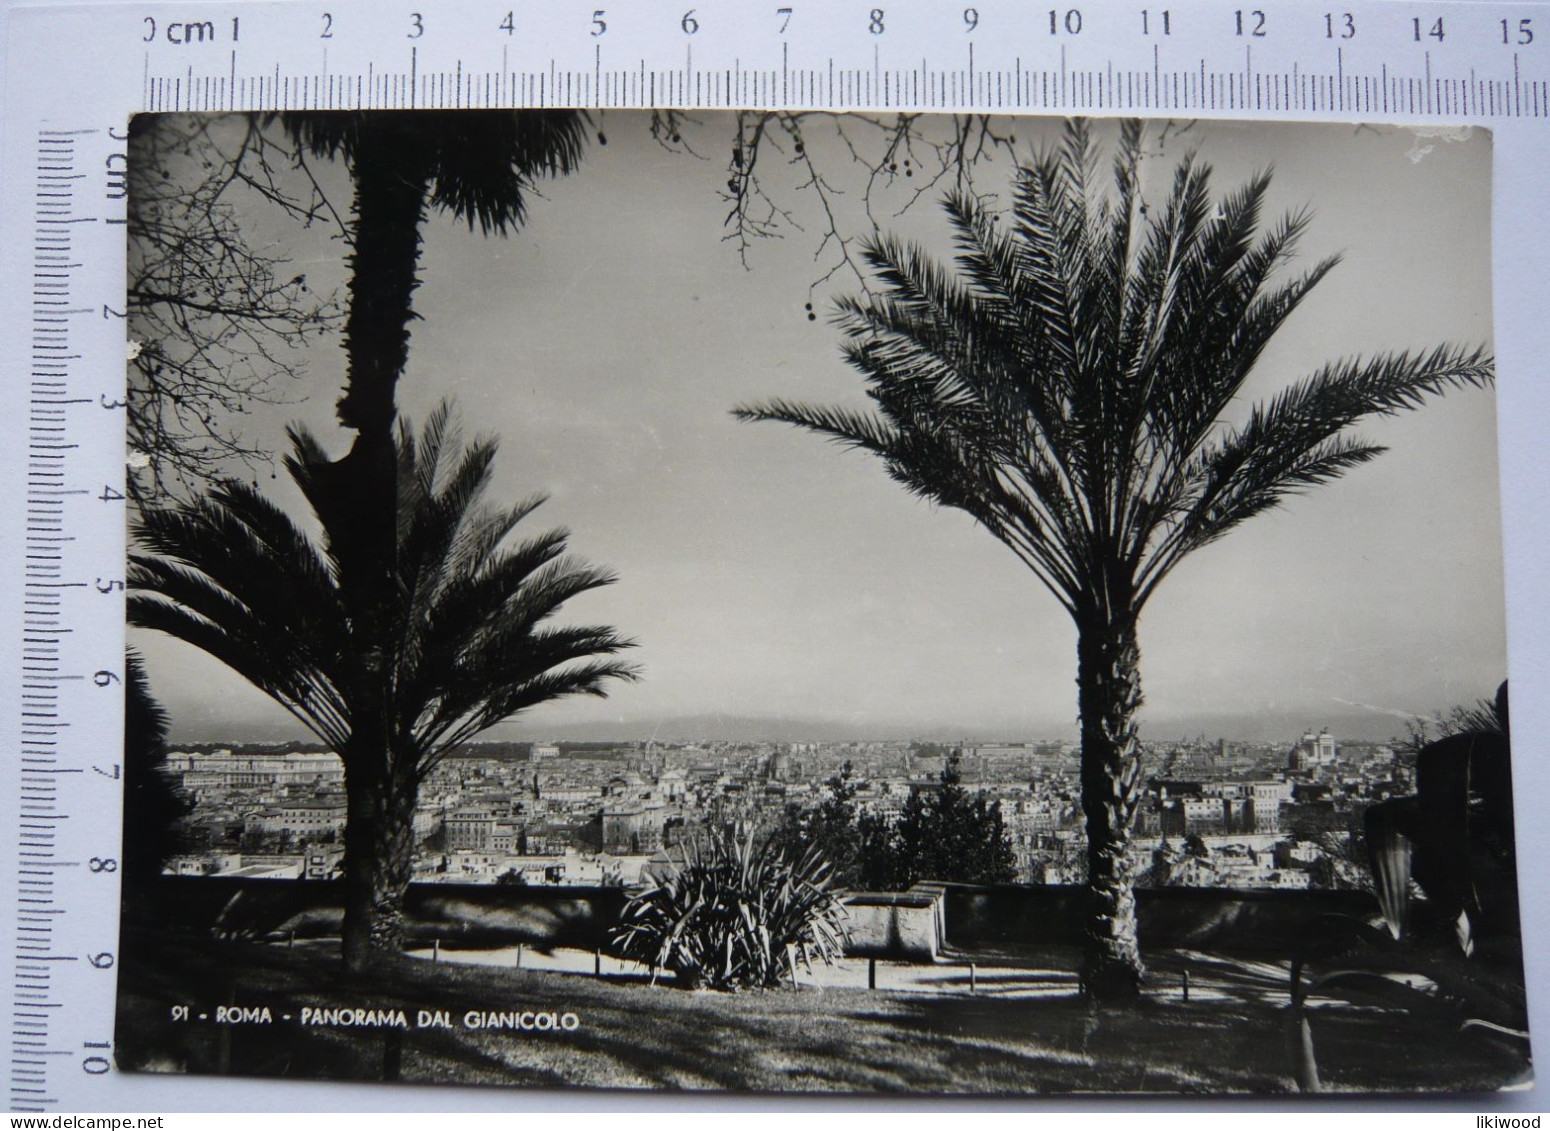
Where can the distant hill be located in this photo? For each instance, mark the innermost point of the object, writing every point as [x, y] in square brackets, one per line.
[1276, 725]
[1271, 725]
[742, 728]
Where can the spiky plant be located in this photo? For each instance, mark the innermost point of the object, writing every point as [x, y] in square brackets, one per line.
[467, 643]
[737, 912]
[1067, 387]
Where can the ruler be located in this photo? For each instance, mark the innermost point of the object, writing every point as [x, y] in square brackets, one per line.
[65, 661]
[74, 74]
[1294, 59]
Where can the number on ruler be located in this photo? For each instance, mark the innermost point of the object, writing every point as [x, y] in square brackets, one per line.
[1165, 24]
[875, 24]
[1071, 21]
[1524, 32]
[971, 18]
[1253, 26]
[328, 26]
[416, 25]
[1434, 32]
[102, 864]
[785, 18]
[1342, 26]
[599, 25]
[509, 24]
[689, 24]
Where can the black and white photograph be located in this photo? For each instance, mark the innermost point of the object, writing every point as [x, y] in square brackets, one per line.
[789, 601]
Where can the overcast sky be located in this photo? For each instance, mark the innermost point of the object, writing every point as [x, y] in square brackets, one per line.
[768, 574]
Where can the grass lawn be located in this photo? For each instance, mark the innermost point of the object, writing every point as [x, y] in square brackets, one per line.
[1228, 1038]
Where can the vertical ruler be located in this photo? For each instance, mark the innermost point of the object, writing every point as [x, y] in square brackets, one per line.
[68, 766]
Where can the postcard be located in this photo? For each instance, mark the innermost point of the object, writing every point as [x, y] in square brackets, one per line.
[788, 601]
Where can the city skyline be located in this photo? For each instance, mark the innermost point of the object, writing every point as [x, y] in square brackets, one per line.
[559, 814]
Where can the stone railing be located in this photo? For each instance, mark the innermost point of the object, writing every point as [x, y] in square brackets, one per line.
[918, 925]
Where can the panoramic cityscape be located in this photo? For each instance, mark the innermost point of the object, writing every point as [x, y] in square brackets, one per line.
[1213, 814]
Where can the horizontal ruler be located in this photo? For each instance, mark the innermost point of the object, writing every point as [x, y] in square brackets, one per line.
[1451, 60]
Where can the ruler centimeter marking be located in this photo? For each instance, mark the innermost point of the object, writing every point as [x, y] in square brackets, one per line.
[1452, 60]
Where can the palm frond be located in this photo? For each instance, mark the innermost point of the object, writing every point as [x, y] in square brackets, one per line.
[242, 547]
[468, 709]
[486, 162]
[1299, 440]
[469, 636]
[305, 693]
[1064, 382]
[844, 426]
[481, 163]
[329, 134]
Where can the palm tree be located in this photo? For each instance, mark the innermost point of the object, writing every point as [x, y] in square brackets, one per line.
[467, 640]
[479, 166]
[1067, 386]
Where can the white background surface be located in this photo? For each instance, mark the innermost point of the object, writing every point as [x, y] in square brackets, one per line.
[84, 67]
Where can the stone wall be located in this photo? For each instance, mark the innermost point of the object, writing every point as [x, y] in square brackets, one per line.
[475, 915]
[1266, 923]
[893, 925]
[917, 925]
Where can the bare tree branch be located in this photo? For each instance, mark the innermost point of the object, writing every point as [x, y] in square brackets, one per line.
[771, 173]
[222, 321]
[216, 320]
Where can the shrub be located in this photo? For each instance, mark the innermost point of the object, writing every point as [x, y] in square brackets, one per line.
[944, 832]
[738, 912]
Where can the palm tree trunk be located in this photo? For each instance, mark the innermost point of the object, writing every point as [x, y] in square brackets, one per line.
[378, 860]
[361, 500]
[391, 170]
[1109, 695]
